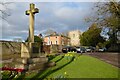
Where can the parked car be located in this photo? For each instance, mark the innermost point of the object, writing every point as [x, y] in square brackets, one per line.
[68, 49]
[102, 49]
[72, 49]
[80, 50]
[90, 49]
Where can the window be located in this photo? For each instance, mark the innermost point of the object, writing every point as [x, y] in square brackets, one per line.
[73, 35]
[51, 42]
[56, 42]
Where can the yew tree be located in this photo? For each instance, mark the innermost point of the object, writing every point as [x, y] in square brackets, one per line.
[92, 36]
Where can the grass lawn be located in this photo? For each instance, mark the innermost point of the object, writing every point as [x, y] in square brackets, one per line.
[87, 67]
[0, 65]
[78, 66]
[72, 65]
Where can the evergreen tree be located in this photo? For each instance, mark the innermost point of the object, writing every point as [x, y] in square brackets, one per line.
[92, 36]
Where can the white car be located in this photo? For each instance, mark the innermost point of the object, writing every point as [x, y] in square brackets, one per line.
[102, 49]
[88, 49]
[80, 49]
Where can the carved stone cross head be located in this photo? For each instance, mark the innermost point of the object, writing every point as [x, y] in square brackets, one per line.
[32, 10]
[31, 14]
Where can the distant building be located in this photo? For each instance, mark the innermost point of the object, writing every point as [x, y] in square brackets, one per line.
[74, 37]
[56, 39]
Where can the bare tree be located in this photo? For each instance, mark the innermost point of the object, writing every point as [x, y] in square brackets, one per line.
[107, 15]
[4, 10]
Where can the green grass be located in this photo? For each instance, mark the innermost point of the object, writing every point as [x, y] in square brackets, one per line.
[87, 67]
[1, 65]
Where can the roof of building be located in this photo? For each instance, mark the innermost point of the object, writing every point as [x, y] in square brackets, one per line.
[65, 36]
[52, 35]
[55, 34]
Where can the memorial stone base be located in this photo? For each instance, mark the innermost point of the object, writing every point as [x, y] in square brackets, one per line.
[31, 59]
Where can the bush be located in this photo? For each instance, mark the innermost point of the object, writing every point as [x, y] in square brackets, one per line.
[114, 48]
[50, 57]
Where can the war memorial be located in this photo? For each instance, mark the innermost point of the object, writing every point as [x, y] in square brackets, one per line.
[25, 60]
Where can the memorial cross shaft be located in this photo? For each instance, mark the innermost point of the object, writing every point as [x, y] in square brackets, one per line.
[31, 14]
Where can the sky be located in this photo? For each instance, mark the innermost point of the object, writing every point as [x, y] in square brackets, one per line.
[58, 16]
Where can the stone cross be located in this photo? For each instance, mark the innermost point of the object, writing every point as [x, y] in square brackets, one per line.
[31, 14]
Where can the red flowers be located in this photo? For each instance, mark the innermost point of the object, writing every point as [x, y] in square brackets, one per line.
[13, 69]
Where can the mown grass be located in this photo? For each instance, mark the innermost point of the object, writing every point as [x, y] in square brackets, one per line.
[73, 65]
[1, 65]
[87, 67]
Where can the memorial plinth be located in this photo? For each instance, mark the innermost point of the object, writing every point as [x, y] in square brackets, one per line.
[29, 49]
[31, 57]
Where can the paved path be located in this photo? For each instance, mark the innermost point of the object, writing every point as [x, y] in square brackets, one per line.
[111, 58]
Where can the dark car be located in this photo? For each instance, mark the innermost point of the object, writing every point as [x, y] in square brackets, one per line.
[80, 49]
[67, 49]
[72, 49]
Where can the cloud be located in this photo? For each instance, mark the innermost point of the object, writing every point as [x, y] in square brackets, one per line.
[73, 17]
[61, 17]
[68, 13]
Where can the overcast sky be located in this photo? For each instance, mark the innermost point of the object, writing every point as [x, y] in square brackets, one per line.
[58, 16]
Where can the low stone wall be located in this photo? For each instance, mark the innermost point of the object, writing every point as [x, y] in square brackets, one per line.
[55, 49]
[46, 49]
[9, 47]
